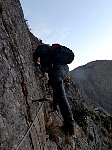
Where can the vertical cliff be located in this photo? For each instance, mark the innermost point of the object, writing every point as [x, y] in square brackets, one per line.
[18, 84]
[26, 124]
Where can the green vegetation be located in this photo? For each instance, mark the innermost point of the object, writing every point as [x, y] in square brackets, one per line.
[104, 122]
[101, 119]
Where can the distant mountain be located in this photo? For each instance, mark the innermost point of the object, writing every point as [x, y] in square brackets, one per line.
[95, 83]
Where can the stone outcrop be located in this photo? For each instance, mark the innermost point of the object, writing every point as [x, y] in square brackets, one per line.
[93, 129]
[25, 123]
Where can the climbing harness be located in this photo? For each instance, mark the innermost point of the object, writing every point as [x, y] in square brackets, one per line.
[40, 108]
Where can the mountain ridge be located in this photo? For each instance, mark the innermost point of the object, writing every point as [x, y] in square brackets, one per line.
[95, 82]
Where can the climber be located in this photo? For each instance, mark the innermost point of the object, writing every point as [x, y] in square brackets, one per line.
[53, 60]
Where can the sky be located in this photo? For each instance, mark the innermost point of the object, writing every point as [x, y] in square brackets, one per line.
[85, 26]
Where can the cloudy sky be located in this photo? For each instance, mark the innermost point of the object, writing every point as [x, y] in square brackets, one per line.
[85, 26]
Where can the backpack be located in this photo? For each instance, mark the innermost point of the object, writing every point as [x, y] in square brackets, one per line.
[55, 54]
[61, 55]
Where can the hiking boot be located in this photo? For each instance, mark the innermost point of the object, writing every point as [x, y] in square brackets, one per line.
[68, 129]
[69, 139]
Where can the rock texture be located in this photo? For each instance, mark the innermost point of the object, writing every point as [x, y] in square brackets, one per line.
[95, 82]
[93, 129]
[18, 84]
[25, 123]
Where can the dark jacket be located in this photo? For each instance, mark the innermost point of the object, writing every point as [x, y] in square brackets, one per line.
[44, 52]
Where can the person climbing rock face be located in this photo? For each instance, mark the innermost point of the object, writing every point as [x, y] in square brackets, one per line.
[54, 60]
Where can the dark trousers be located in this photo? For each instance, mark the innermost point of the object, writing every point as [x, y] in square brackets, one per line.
[56, 76]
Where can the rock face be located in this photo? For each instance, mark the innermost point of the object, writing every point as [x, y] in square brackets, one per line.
[18, 84]
[95, 83]
[25, 123]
